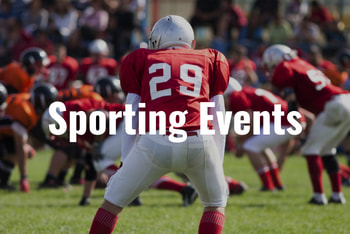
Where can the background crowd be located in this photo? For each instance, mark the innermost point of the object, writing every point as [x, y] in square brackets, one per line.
[242, 36]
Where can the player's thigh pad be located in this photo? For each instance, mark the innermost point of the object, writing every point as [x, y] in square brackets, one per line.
[258, 143]
[207, 175]
[329, 128]
[137, 173]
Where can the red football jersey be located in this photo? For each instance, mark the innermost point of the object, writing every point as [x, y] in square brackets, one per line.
[92, 71]
[62, 73]
[240, 70]
[312, 88]
[87, 105]
[175, 80]
[258, 100]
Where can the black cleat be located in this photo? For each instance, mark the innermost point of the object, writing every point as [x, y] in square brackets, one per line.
[85, 201]
[48, 184]
[265, 189]
[136, 202]
[189, 195]
[77, 181]
[7, 187]
[314, 201]
[340, 200]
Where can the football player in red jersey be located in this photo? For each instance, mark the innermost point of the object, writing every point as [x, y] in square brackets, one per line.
[311, 89]
[63, 68]
[21, 115]
[259, 146]
[171, 76]
[65, 154]
[105, 150]
[98, 65]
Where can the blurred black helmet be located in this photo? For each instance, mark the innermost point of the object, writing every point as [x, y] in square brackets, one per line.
[344, 57]
[32, 56]
[107, 86]
[42, 95]
[3, 94]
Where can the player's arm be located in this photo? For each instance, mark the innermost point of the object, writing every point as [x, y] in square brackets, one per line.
[240, 139]
[220, 139]
[20, 135]
[128, 140]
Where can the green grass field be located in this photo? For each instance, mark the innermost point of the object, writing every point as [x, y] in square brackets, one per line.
[56, 211]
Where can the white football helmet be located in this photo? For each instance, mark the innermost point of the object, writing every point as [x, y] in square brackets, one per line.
[46, 120]
[98, 46]
[171, 30]
[275, 54]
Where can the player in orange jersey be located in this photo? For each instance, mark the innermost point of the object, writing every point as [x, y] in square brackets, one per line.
[20, 77]
[21, 115]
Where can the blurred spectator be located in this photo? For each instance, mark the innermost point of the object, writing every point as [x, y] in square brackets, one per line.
[35, 17]
[306, 34]
[315, 57]
[295, 11]
[7, 11]
[5, 56]
[253, 34]
[94, 21]
[98, 64]
[206, 13]
[264, 10]
[279, 30]
[64, 18]
[63, 68]
[81, 5]
[6, 15]
[18, 39]
[232, 20]
[19, 6]
[335, 35]
[343, 59]
[41, 40]
[120, 29]
[319, 14]
[75, 46]
[127, 27]
[242, 68]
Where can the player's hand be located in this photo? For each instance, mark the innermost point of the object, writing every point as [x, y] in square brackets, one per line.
[25, 186]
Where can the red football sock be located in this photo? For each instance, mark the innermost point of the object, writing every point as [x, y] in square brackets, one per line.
[265, 178]
[167, 183]
[335, 182]
[212, 222]
[104, 222]
[315, 167]
[275, 176]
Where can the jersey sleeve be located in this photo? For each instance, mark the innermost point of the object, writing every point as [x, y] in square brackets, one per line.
[221, 75]
[129, 77]
[239, 102]
[282, 76]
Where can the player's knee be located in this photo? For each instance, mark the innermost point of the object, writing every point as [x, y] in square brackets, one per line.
[330, 162]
